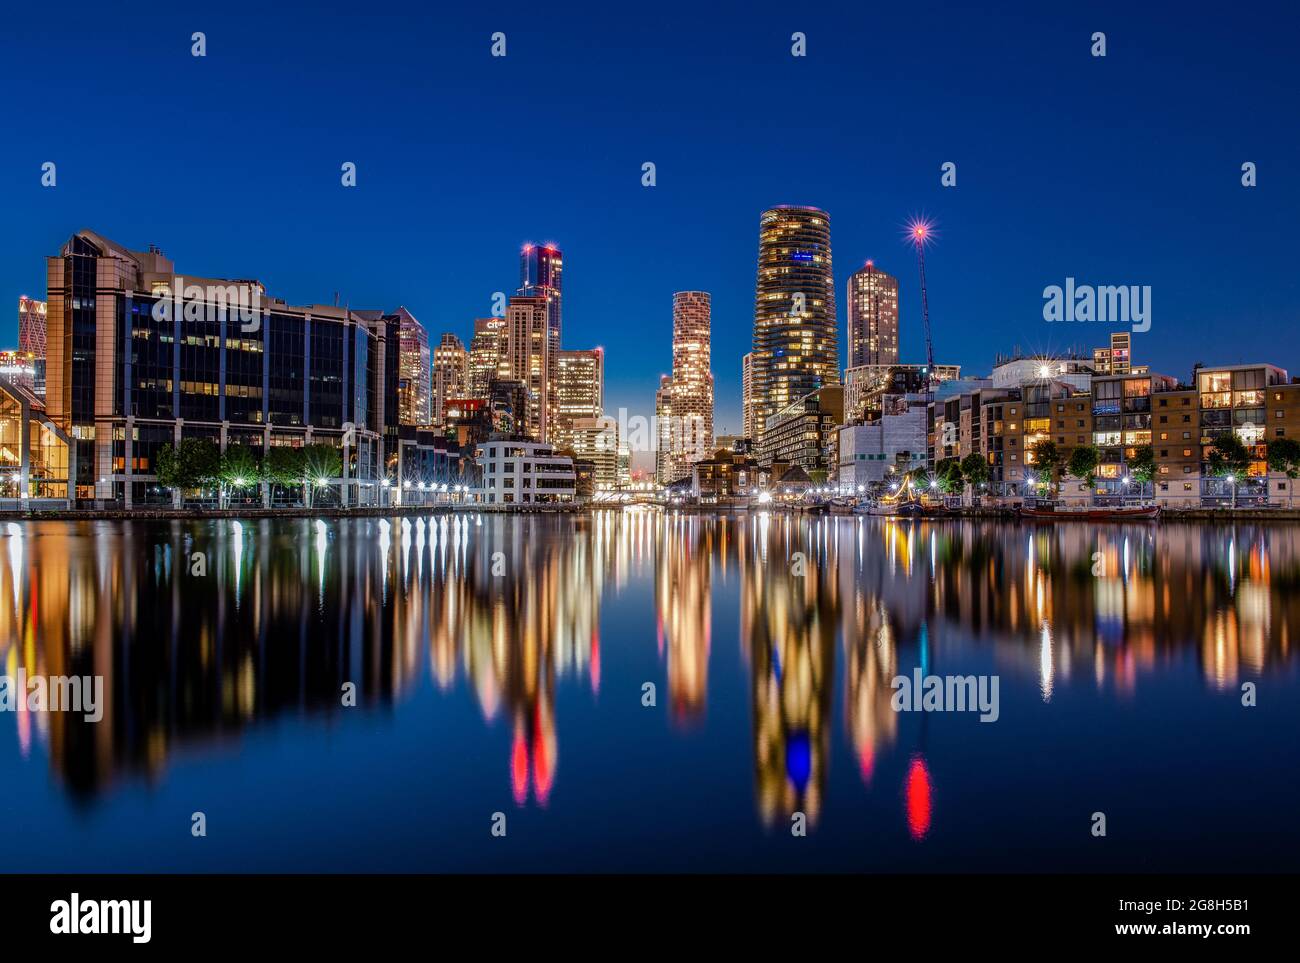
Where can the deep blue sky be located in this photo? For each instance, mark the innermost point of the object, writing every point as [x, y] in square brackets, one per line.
[1117, 170]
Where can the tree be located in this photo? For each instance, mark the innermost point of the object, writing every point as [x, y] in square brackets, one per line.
[1047, 459]
[920, 479]
[1083, 464]
[1284, 456]
[239, 467]
[948, 473]
[975, 468]
[1142, 466]
[1228, 456]
[321, 464]
[1229, 459]
[194, 463]
[283, 466]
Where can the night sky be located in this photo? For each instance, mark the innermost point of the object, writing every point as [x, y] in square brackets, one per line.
[1117, 170]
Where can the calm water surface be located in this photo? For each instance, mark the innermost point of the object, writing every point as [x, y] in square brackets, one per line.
[1121, 652]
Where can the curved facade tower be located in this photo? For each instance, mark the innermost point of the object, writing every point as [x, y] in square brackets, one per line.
[796, 344]
[684, 402]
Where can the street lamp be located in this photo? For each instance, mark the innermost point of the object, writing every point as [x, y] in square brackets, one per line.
[1232, 482]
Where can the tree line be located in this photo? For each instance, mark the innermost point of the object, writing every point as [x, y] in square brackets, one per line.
[1228, 456]
[199, 463]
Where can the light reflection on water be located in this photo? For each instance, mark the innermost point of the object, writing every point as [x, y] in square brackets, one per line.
[770, 641]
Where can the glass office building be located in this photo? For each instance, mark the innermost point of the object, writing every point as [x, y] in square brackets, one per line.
[140, 357]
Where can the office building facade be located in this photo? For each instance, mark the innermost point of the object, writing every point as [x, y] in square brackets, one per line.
[487, 355]
[521, 472]
[415, 384]
[450, 375]
[579, 379]
[140, 357]
[528, 359]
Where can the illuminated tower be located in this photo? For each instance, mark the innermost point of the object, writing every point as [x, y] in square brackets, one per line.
[692, 376]
[528, 355]
[450, 374]
[664, 463]
[747, 393]
[414, 381]
[487, 350]
[796, 344]
[541, 274]
[873, 317]
[579, 386]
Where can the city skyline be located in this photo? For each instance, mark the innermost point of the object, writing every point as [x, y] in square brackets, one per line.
[1024, 175]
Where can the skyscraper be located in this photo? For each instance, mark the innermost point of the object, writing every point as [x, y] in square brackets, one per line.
[873, 317]
[747, 393]
[541, 274]
[579, 379]
[450, 374]
[686, 426]
[487, 351]
[528, 355]
[796, 344]
[693, 373]
[664, 462]
[414, 384]
[31, 338]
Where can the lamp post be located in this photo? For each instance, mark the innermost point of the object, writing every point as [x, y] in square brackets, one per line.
[1232, 483]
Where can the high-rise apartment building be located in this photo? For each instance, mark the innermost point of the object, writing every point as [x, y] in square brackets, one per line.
[579, 379]
[747, 394]
[31, 339]
[873, 317]
[693, 372]
[686, 427]
[529, 356]
[414, 374]
[450, 374]
[487, 355]
[796, 344]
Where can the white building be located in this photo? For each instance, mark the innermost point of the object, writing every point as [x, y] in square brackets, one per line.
[1015, 372]
[524, 473]
[868, 452]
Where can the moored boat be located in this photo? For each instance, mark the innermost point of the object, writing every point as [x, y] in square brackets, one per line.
[1091, 513]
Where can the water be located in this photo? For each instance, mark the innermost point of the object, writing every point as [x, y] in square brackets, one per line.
[499, 665]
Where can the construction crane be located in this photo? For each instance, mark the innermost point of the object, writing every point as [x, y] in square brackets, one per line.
[921, 232]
